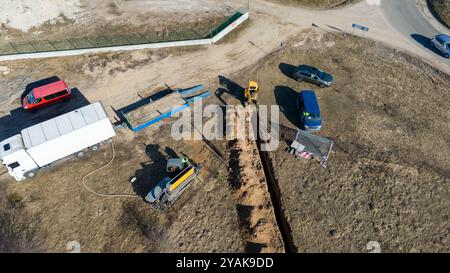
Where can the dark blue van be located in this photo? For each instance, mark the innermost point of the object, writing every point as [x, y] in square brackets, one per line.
[309, 109]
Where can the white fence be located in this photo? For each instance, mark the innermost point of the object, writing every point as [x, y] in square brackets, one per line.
[73, 52]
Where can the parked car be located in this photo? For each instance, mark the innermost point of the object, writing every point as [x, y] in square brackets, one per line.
[45, 95]
[313, 75]
[310, 117]
[442, 43]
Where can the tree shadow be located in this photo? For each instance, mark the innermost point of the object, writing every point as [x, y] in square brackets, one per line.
[426, 42]
[286, 98]
[287, 70]
[19, 119]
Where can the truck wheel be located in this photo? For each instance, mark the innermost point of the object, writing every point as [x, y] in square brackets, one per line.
[30, 174]
[81, 154]
[95, 147]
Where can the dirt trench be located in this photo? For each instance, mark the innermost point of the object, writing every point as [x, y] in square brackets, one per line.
[259, 226]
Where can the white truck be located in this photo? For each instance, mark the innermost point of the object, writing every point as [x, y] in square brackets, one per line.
[42, 144]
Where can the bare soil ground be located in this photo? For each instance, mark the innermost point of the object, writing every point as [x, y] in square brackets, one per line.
[50, 20]
[204, 219]
[253, 201]
[388, 176]
[441, 9]
[65, 211]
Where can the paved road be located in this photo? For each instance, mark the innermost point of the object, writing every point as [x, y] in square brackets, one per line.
[406, 18]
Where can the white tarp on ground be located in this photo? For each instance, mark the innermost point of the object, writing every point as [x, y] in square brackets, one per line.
[306, 144]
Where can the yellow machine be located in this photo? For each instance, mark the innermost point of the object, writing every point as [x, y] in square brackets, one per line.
[251, 93]
[181, 173]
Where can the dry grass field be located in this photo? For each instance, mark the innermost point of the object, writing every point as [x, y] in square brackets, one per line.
[388, 175]
[387, 178]
[441, 9]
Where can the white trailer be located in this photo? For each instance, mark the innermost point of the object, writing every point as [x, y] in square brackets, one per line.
[42, 144]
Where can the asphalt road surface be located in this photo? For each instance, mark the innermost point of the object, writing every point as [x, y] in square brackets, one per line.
[406, 18]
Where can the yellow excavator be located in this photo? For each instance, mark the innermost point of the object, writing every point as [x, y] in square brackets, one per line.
[251, 92]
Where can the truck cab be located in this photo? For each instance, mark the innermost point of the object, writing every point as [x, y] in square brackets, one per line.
[41, 145]
[14, 156]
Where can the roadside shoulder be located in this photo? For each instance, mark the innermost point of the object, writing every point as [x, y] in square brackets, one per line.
[424, 9]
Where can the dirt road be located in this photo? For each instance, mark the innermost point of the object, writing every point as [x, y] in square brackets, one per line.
[415, 26]
[268, 20]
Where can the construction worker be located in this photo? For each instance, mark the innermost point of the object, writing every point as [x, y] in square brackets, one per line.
[185, 161]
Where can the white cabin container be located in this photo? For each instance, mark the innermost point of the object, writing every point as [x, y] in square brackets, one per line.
[44, 143]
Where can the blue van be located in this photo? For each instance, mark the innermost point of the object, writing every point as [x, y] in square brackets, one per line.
[310, 117]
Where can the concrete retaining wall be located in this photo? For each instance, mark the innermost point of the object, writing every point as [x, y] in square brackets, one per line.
[230, 28]
[73, 52]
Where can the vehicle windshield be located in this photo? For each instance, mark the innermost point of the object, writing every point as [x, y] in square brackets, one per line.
[30, 97]
[318, 73]
[312, 117]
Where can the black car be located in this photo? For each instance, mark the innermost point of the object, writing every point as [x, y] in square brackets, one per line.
[313, 75]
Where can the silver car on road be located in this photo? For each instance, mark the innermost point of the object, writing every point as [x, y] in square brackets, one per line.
[442, 43]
